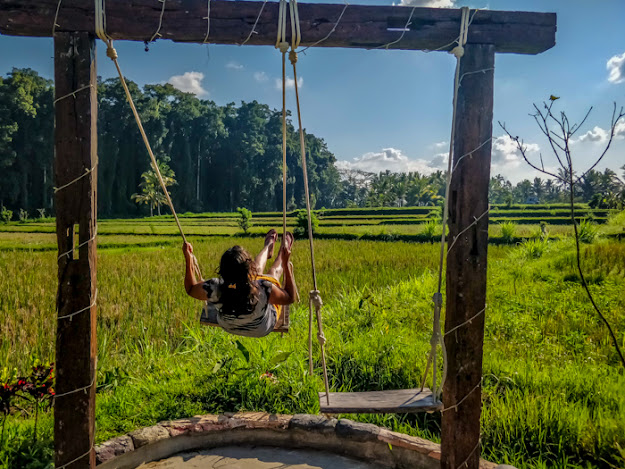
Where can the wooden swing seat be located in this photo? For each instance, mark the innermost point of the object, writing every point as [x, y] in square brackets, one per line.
[400, 401]
[208, 319]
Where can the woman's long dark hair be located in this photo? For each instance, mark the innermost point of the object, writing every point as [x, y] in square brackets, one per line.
[238, 270]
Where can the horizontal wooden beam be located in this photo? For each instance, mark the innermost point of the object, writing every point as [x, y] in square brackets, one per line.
[231, 22]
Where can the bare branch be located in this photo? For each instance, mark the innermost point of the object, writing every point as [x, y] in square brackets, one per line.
[522, 149]
[615, 120]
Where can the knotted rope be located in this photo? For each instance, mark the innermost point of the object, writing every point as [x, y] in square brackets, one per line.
[437, 298]
[315, 302]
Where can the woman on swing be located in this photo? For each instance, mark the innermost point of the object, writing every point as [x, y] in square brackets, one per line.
[245, 301]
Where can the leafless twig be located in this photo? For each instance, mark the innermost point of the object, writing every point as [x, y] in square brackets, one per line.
[545, 119]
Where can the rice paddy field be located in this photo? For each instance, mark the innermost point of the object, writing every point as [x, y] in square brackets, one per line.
[553, 393]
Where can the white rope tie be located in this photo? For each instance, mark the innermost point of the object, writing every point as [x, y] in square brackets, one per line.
[405, 29]
[329, 34]
[160, 22]
[470, 153]
[95, 234]
[473, 223]
[459, 403]
[208, 21]
[70, 316]
[73, 93]
[86, 173]
[56, 18]
[466, 461]
[468, 321]
[455, 41]
[253, 31]
[84, 388]
[77, 459]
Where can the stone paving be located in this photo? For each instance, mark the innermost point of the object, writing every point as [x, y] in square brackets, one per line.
[257, 458]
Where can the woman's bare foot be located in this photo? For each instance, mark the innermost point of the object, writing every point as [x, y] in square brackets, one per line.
[270, 240]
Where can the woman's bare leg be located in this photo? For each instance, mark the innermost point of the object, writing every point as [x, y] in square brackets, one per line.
[266, 252]
[277, 268]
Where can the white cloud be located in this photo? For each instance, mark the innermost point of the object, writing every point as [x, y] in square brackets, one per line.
[619, 130]
[289, 83]
[260, 77]
[391, 159]
[189, 82]
[440, 160]
[428, 3]
[439, 145]
[234, 66]
[616, 68]
[506, 155]
[597, 134]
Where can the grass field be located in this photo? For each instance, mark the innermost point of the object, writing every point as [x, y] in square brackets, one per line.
[553, 392]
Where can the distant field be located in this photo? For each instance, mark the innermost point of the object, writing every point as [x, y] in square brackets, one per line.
[552, 395]
[384, 224]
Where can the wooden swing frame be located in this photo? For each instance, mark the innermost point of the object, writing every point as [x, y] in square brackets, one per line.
[71, 23]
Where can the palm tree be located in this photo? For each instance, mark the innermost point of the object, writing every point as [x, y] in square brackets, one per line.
[151, 192]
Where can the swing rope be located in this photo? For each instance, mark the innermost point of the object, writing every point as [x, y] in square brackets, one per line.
[100, 23]
[315, 302]
[437, 298]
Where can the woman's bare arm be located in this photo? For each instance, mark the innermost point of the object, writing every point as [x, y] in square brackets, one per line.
[193, 288]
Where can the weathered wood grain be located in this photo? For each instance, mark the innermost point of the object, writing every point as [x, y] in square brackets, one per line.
[362, 26]
[466, 261]
[75, 151]
[400, 401]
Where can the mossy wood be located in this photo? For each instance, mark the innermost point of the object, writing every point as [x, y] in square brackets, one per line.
[399, 401]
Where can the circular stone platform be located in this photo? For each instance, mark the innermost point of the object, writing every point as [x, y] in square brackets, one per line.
[256, 440]
[249, 457]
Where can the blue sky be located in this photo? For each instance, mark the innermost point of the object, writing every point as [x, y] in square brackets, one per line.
[392, 109]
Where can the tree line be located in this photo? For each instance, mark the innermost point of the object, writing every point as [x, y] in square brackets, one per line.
[221, 158]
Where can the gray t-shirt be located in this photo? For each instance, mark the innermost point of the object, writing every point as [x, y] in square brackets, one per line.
[257, 323]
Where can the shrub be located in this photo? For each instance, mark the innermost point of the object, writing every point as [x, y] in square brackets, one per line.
[430, 228]
[507, 231]
[245, 219]
[42, 213]
[22, 215]
[533, 248]
[5, 214]
[587, 231]
[301, 223]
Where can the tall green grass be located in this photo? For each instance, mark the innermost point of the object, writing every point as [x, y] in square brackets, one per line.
[552, 393]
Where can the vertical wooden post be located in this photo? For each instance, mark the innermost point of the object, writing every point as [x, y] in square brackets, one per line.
[75, 154]
[466, 261]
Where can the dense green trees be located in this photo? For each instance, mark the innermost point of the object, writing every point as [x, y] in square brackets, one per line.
[223, 157]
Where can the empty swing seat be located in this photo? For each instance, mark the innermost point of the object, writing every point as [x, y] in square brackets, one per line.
[209, 318]
[400, 401]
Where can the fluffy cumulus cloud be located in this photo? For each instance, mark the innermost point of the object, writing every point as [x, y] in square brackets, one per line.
[234, 66]
[616, 69]
[260, 77]
[390, 159]
[597, 134]
[189, 82]
[506, 155]
[290, 83]
[428, 3]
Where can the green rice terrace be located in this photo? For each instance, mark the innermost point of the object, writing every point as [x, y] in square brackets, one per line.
[552, 394]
